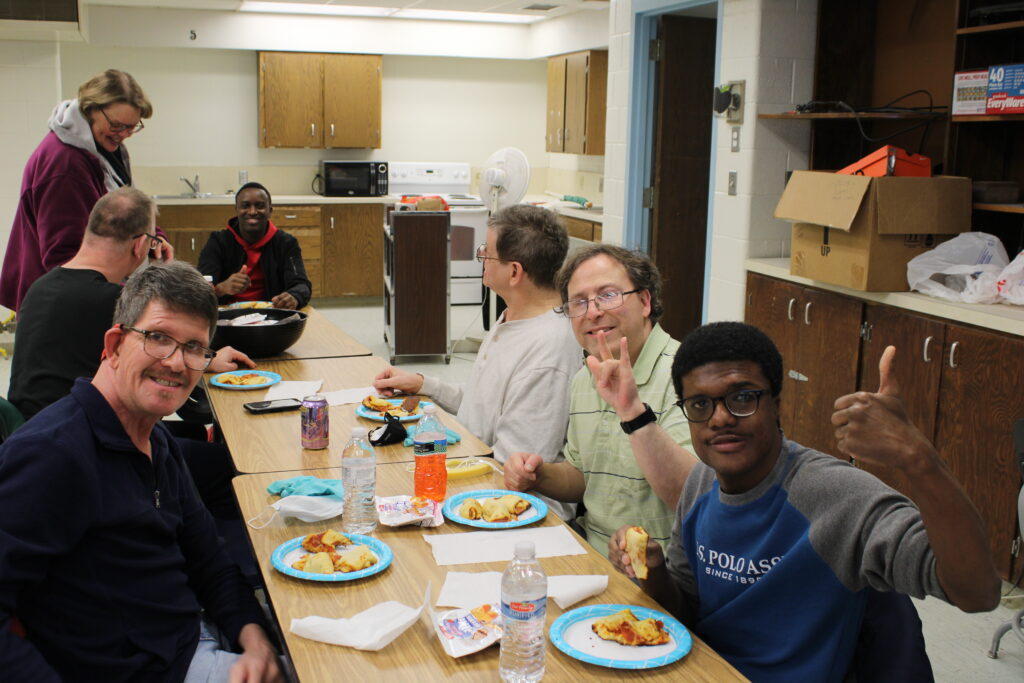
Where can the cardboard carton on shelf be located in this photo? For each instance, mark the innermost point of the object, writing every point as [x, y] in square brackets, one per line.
[859, 232]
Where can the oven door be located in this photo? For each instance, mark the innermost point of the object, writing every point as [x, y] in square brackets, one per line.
[469, 229]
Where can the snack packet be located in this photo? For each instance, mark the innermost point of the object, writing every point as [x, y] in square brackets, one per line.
[464, 631]
[404, 510]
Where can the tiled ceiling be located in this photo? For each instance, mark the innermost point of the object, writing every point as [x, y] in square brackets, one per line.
[558, 7]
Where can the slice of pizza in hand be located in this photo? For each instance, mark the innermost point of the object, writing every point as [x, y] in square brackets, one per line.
[636, 548]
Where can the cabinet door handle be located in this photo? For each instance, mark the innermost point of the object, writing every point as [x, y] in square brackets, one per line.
[312, 130]
[332, 222]
[924, 349]
[559, 137]
[952, 354]
[332, 130]
[291, 216]
[789, 309]
[807, 313]
[193, 243]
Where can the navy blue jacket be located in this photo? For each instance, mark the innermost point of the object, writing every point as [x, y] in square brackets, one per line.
[105, 556]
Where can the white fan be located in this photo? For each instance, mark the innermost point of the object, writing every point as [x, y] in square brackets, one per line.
[505, 177]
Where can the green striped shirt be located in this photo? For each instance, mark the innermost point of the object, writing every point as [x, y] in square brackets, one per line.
[617, 492]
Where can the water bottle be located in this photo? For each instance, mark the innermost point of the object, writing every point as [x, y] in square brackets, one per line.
[359, 479]
[524, 604]
[430, 447]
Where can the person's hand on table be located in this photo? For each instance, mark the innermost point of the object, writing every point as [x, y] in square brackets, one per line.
[391, 379]
[521, 471]
[234, 284]
[285, 300]
[258, 662]
[229, 358]
[620, 559]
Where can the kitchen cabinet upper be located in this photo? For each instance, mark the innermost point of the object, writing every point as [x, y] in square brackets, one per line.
[577, 98]
[319, 100]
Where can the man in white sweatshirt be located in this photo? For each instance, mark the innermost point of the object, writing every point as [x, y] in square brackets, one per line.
[517, 396]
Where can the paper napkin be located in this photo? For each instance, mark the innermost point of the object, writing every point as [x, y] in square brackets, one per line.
[470, 589]
[299, 390]
[371, 629]
[497, 546]
[343, 396]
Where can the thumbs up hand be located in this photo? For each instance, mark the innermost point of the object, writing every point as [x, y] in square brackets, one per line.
[874, 427]
[235, 284]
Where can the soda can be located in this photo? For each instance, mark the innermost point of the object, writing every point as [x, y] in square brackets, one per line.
[315, 422]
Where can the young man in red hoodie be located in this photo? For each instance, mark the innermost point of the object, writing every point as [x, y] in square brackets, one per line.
[252, 260]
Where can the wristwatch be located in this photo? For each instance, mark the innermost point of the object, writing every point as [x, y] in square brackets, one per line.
[639, 421]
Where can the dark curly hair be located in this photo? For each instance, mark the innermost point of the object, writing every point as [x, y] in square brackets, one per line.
[534, 237]
[727, 341]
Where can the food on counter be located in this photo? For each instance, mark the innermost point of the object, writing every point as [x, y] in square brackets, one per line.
[636, 548]
[247, 380]
[623, 627]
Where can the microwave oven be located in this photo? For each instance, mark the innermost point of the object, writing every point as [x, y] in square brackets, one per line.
[354, 178]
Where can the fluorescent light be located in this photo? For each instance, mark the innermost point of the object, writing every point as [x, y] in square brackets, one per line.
[450, 15]
[302, 8]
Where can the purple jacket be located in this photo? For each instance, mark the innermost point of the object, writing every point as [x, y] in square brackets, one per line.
[58, 190]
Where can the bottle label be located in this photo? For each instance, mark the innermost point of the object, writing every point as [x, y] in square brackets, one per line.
[524, 611]
[430, 447]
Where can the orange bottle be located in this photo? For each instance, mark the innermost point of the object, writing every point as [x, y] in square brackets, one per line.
[430, 446]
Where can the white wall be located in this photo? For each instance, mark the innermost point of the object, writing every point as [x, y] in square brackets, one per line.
[770, 44]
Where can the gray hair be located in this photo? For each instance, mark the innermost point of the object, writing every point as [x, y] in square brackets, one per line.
[176, 285]
[641, 271]
[122, 214]
[534, 237]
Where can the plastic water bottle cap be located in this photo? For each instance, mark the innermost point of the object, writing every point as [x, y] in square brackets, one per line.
[359, 432]
[524, 550]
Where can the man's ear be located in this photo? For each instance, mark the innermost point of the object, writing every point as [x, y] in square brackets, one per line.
[112, 339]
[518, 273]
[645, 299]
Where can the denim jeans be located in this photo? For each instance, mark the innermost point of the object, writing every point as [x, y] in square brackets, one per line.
[210, 664]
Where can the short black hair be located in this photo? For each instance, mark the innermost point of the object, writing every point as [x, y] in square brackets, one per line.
[254, 185]
[725, 341]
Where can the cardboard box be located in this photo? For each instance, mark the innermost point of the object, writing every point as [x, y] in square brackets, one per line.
[970, 90]
[1005, 89]
[860, 232]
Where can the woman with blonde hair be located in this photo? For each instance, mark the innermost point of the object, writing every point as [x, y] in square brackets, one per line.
[81, 159]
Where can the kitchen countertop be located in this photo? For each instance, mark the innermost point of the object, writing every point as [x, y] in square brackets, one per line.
[998, 317]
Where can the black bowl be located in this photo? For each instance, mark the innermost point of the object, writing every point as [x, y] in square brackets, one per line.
[260, 341]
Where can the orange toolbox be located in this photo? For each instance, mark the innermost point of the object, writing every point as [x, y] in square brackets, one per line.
[889, 160]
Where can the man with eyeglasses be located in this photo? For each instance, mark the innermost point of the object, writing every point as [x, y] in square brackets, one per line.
[66, 312]
[109, 558]
[517, 394]
[778, 549]
[612, 297]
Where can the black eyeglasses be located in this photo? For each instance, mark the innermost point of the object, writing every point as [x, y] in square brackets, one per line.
[161, 346]
[118, 128]
[605, 301]
[154, 241]
[742, 403]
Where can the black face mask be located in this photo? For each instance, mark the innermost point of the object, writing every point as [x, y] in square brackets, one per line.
[392, 432]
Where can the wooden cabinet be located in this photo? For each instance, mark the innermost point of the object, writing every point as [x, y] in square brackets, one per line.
[581, 229]
[303, 222]
[188, 227]
[818, 335]
[960, 386]
[352, 250]
[416, 287]
[577, 98]
[319, 100]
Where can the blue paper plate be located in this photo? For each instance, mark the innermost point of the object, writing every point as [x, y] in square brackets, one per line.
[363, 411]
[283, 563]
[571, 633]
[451, 509]
[216, 380]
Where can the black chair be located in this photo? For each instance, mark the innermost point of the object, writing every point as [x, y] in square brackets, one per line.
[1016, 622]
[890, 646]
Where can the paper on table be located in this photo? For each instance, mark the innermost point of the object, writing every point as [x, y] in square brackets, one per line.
[497, 546]
[371, 629]
[343, 396]
[471, 589]
[299, 390]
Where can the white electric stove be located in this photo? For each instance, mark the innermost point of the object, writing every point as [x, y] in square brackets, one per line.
[450, 181]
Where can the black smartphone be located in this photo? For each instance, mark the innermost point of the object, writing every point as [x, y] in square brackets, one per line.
[275, 406]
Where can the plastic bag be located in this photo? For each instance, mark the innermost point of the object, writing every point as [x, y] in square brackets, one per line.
[966, 269]
[1011, 282]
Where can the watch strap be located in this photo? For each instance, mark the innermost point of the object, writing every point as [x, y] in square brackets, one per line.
[639, 421]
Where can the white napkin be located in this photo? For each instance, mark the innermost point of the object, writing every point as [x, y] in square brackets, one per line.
[470, 589]
[371, 629]
[299, 390]
[497, 546]
[343, 396]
